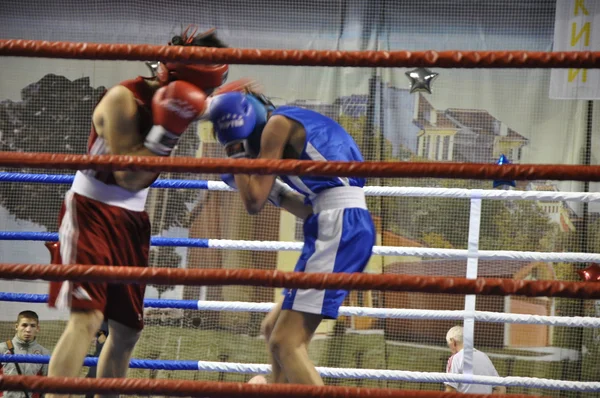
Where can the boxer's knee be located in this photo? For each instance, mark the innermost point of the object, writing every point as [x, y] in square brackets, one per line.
[268, 324]
[282, 347]
[266, 327]
[85, 323]
[276, 346]
[292, 334]
[123, 337]
[282, 341]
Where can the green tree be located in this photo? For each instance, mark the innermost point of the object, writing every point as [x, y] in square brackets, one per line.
[517, 225]
[433, 239]
[512, 225]
[55, 115]
[418, 218]
[379, 146]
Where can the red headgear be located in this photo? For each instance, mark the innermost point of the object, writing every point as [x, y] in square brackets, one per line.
[206, 77]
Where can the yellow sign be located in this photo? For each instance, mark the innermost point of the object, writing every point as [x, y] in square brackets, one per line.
[576, 28]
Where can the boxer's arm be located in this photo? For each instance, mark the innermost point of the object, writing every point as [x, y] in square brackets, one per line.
[254, 189]
[116, 121]
[294, 203]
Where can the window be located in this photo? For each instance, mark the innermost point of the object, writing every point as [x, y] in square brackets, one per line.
[446, 148]
[299, 233]
[426, 142]
[360, 299]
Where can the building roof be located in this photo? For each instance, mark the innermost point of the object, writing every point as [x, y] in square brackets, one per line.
[481, 121]
[477, 120]
[389, 238]
[426, 108]
[458, 268]
[548, 187]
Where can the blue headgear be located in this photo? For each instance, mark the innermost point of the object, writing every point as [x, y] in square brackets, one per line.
[239, 119]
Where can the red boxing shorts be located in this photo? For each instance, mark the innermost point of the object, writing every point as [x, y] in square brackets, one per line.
[95, 233]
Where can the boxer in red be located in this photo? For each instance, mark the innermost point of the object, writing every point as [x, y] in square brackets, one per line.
[103, 222]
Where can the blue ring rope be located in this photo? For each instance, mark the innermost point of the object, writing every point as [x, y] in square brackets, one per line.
[93, 361]
[68, 179]
[148, 303]
[53, 237]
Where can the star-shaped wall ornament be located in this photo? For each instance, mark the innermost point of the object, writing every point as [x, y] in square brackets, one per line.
[421, 79]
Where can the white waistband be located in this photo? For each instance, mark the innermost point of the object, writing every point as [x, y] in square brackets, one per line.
[112, 195]
[339, 198]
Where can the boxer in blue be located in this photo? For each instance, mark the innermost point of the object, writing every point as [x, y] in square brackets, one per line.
[338, 230]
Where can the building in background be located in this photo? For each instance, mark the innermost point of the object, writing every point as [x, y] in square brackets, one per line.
[510, 335]
[558, 211]
[464, 135]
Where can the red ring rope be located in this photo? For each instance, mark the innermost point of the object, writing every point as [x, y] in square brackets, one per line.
[456, 59]
[208, 389]
[443, 59]
[477, 171]
[205, 277]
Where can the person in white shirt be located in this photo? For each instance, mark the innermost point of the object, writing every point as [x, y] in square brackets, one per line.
[482, 366]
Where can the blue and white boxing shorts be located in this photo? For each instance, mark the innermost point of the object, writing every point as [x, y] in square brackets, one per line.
[338, 237]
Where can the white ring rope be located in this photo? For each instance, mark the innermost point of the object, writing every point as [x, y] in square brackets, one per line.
[483, 316]
[415, 251]
[427, 377]
[460, 193]
[394, 313]
[433, 252]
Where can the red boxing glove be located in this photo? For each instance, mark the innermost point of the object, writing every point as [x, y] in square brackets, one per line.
[174, 107]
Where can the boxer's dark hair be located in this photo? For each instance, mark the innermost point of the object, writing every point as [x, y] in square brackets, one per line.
[206, 39]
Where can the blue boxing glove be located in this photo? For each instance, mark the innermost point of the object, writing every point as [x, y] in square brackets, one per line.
[279, 190]
[234, 120]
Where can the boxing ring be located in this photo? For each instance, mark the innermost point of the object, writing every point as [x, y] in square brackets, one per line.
[470, 285]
